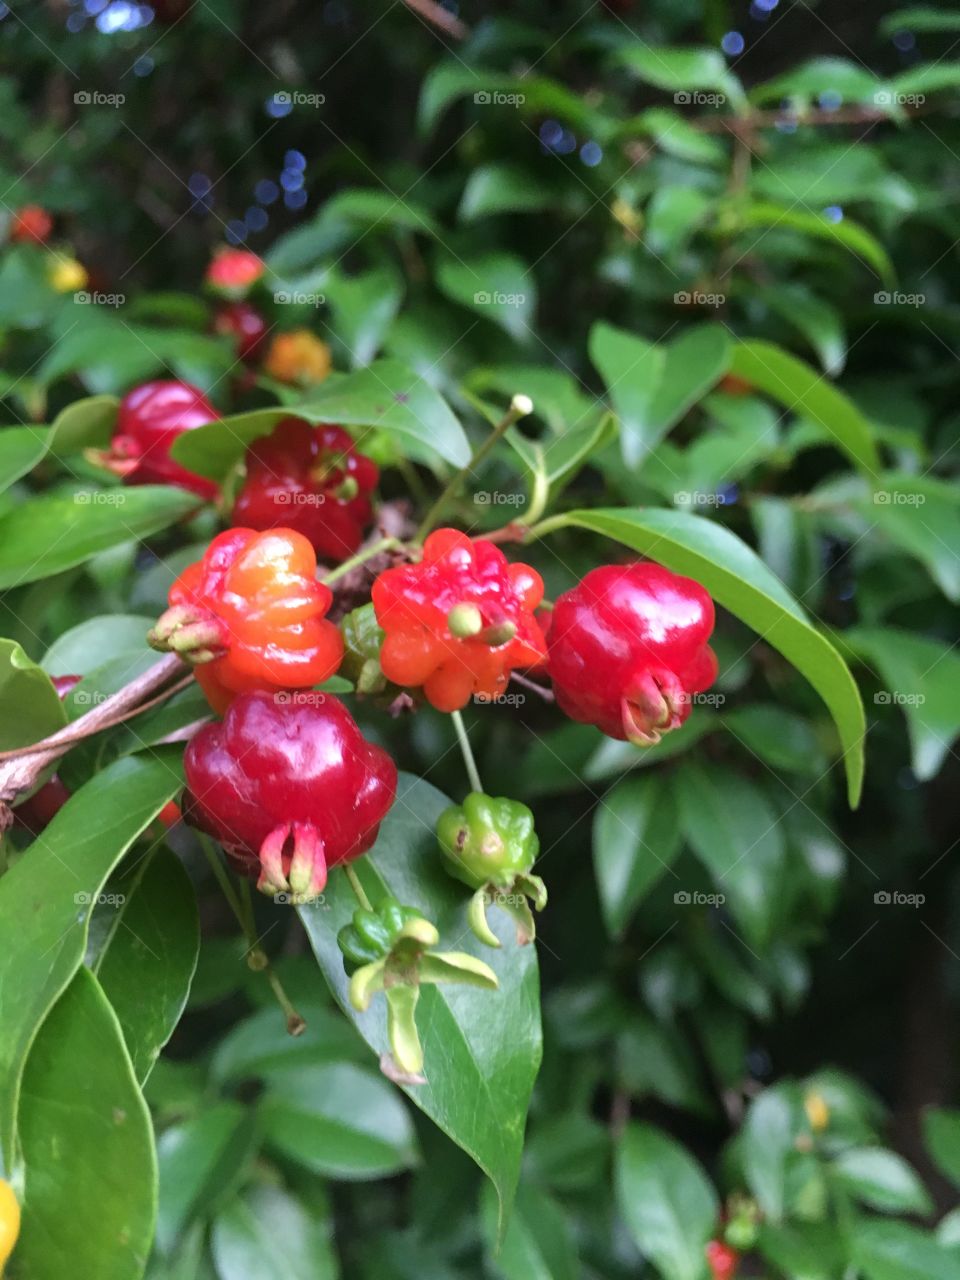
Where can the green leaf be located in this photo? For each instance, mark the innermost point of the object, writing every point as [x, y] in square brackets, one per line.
[666, 1200]
[46, 899]
[849, 235]
[734, 830]
[21, 448]
[919, 18]
[87, 1142]
[261, 1046]
[539, 1244]
[30, 708]
[676, 136]
[921, 517]
[673, 214]
[922, 678]
[364, 307]
[881, 1179]
[818, 76]
[147, 954]
[50, 534]
[695, 363]
[681, 69]
[200, 1163]
[340, 1121]
[781, 738]
[386, 395]
[268, 1235]
[818, 322]
[798, 387]
[636, 839]
[89, 645]
[632, 369]
[941, 1133]
[501, 188]
[768, 1139]
[497, 286]
[895, 1251]
[742, 583]
[482, 1048]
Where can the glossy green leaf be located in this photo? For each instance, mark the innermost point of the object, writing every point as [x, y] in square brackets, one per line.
[895, 1251]
[30, 708]
[386, 395]
[665, 1198]
[734, 830]
[261, 1046]
[847, 234]
[817, 321]
[87, 1144]
[632, 369]
[339, 1120]
[882, 1180]
[636, 839]
[21, 448]
[741, 582]
[364, 307]
[798, 387]
[88, 645]
[780, 738]
[501, 188]
[921, 517]
[681, 69]
[482, 1048]
[147, 953]
[673, 214]
[50, 534]
[201, 1162]
[768, 1141]
[922, 679]
[540, 1242]
[496, 286]
[47, 897]
[268, 1235]
[694, 364]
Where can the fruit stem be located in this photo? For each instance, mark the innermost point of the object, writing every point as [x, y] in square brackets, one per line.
[468, 759]
[362, 556]
[520, 406]
[257, 958]
[358, 889]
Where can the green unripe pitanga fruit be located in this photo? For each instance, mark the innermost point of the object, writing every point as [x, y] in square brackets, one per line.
[488, 840]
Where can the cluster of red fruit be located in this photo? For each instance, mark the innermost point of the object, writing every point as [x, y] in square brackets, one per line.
[279, 782]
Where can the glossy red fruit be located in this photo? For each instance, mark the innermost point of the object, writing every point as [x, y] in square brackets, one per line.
[313, 480]
[290, 787]
[32, 223]
[628, 647]
[245, 325]
[151, 417]
[233, 271]
[723, 1261]
[38, 810]
[460, 621]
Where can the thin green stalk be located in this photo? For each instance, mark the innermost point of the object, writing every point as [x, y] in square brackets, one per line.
[362, 556]
[467, 750]
[520, 406]
[257, 959]
[357, 888]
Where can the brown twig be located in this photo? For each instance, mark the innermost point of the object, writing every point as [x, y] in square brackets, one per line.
[20, 769]
[440, 17]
